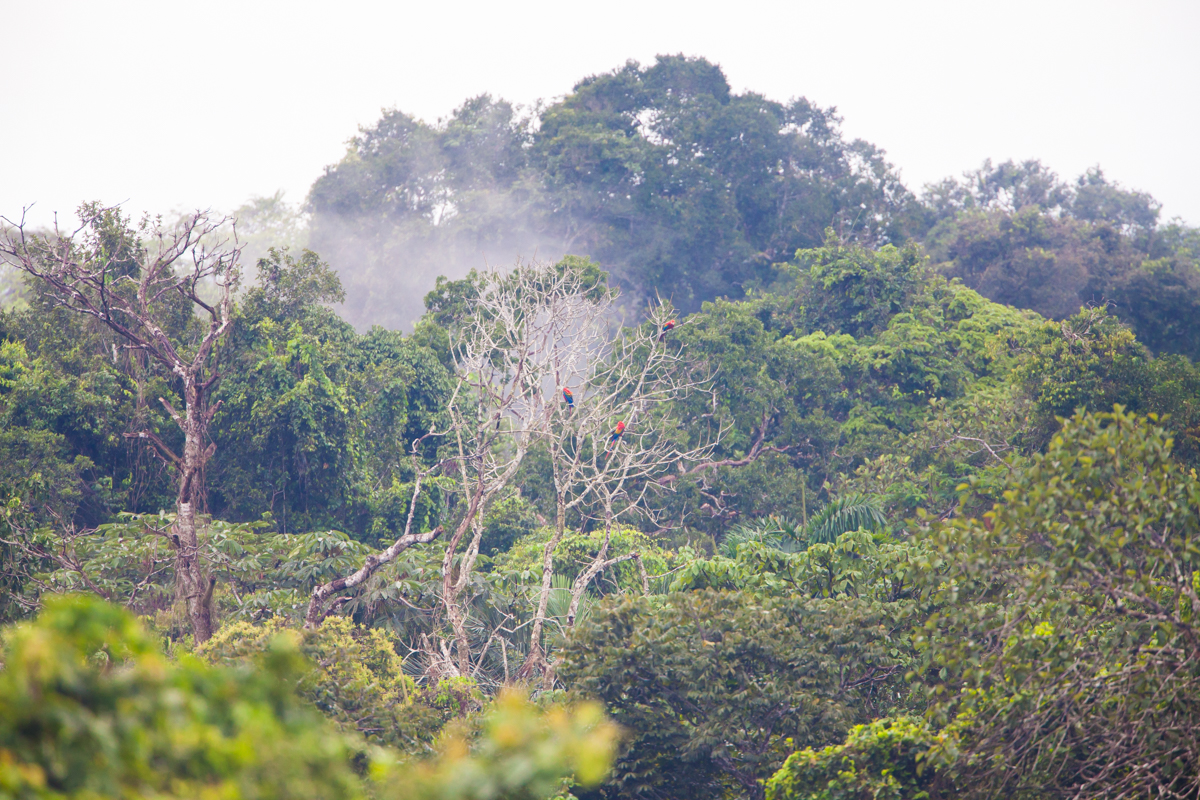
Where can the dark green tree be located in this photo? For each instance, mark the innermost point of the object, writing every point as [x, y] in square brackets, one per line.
[715, 688]
[316, 420]
[1019, 235]
[1065, 619]
[1093, 362]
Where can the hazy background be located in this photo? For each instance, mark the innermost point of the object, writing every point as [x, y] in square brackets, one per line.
[170, 105]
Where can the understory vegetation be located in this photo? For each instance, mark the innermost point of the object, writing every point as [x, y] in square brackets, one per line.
[782, 482]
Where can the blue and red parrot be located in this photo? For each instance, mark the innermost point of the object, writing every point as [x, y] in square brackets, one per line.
[667, 327]
[569, 398]
[617, 433]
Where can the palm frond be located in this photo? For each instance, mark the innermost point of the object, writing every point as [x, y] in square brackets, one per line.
[845, 514]
[560, 596]
[765, 530]
[849, 513]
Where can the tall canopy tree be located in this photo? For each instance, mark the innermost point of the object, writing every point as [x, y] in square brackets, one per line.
[136, 281]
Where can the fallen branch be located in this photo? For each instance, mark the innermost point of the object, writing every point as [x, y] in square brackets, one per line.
[985, 446]
[316, 606]
[596, 567]
[756, 451]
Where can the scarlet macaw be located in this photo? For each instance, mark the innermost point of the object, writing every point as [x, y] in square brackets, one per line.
[570, 398]
[616, 436]
[667, 327]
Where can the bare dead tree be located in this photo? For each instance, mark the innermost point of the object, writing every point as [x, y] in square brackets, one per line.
[497, 410]
[631, 378]
[191, 263]
[576, 338]
[499, 407]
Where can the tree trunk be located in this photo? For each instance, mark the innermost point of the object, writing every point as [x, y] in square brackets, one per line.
[462, 645]
[454, 609]
[452, 582]
[194, 585]
[536, 660]
[595, 568]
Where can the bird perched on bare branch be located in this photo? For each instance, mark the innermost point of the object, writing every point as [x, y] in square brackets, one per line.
[617, 433]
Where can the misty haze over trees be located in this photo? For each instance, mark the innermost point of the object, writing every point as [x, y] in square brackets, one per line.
[676, 185]
[744, 471]
[661, 174]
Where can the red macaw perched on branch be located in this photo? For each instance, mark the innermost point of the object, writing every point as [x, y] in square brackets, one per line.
[667, 327]
[617, 433]
[569, 398]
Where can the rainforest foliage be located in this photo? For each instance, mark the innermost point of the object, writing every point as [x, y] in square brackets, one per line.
[784, 482]
[680, 186]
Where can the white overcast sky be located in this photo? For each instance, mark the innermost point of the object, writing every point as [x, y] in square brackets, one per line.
[169, 105]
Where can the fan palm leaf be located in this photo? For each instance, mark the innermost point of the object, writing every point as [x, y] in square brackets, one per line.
[845, 514]
[849, 513]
